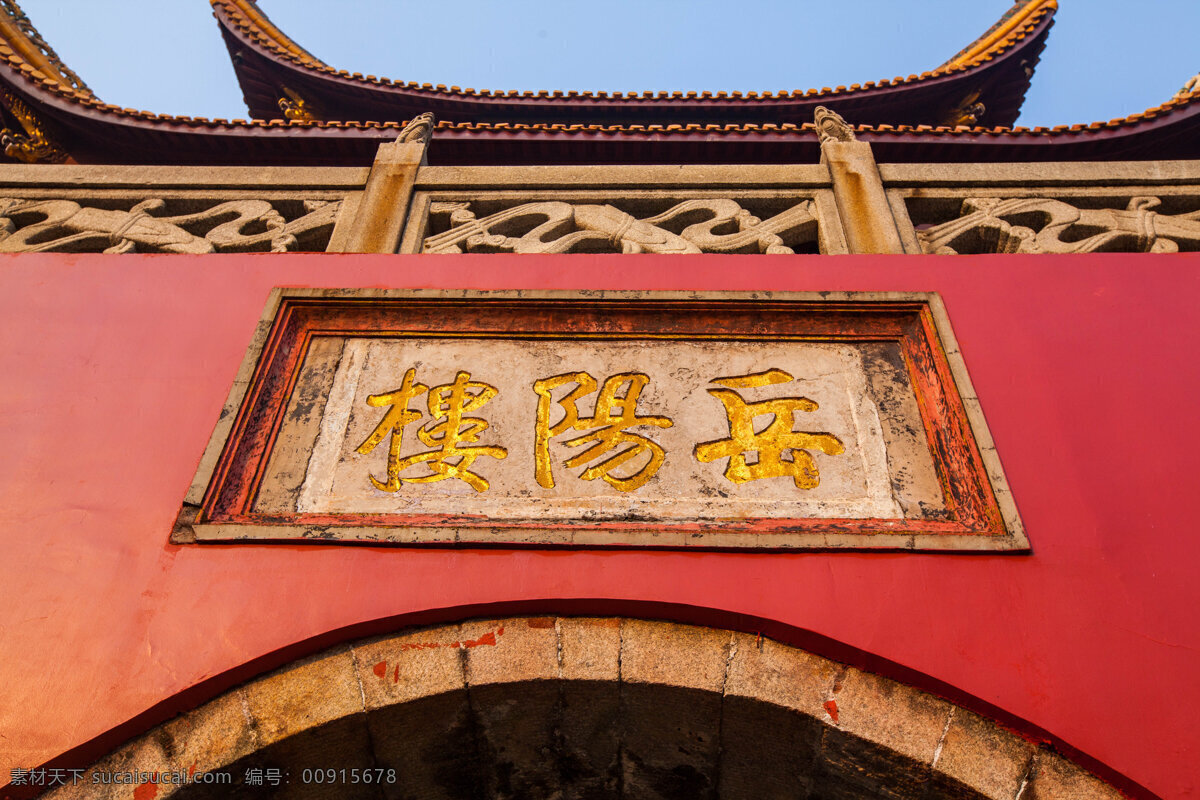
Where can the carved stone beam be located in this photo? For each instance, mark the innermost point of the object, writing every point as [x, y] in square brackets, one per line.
[857, 187]
[379, 220]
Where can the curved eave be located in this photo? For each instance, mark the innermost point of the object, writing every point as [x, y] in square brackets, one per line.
[97, 133]
[1000, 71]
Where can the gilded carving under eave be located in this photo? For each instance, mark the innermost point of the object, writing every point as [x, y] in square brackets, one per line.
[35, 226]
[1046, 225]
[692, 226]
[296, 107]
[32, 145]
[968, 112]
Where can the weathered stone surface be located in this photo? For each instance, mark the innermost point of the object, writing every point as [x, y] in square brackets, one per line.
[853, 482]
[301, 697]
[884, 739]
[397, 669]
[763, 669]
[891, 714]
[301, 424]
[674, 655]
[698, 225]
[115, 777]
[212, 736]
[380, 215]
[507, 650]
[590, 648]
[862, 204]
[981, 755]
[697, 713]
[1055, 778]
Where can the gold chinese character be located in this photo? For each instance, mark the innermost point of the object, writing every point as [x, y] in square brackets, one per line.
[613, 414]
[447, 433]
[781, 450]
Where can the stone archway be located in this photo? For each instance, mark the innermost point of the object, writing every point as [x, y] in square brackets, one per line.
[588, 708]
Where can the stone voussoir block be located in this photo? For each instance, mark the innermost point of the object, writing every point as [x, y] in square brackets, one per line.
[590, 648]
[889, 714]
[213, 736]
[116, 776]
[980, 754]
[510, 650]
[305, 695]
[1055, 778]
[674, 655]
[763, 669]
[408, 666]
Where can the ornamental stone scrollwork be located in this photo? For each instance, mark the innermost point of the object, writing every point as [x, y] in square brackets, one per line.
[1045, 225]
[59, 225]
[691, 226]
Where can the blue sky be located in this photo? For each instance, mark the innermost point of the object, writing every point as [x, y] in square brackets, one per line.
[1105, 58]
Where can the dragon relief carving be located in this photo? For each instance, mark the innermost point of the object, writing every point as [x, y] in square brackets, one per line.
[28, 141]
[295, 107]
[1044, 225]
[418, 130]
[831, 127]
[35, 226]
[692, 226]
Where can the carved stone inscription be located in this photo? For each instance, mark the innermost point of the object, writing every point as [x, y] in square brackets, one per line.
[560, 430]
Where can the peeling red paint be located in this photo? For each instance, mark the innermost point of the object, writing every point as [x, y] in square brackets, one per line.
[490, 638]
[832, 710]
[145, 791]
[396, 674]
[380, 669]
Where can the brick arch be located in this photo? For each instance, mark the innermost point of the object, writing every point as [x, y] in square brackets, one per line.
[587, 708]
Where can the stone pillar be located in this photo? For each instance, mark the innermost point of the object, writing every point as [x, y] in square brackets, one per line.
[862, 203]
[378, 222]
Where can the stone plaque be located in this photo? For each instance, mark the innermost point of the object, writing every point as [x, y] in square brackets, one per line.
[614, 419]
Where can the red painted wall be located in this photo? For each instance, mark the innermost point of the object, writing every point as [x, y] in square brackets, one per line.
[115, 368]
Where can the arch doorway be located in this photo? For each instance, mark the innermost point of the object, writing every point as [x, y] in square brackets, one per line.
[586, 708]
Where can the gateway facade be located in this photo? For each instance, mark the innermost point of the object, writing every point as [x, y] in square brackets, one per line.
[417, 441]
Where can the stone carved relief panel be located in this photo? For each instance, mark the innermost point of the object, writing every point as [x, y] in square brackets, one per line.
[1080, 224]
[163, 225]
[622, 225]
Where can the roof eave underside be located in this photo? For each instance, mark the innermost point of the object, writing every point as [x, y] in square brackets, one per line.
[1000, 75]
[108, 135]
